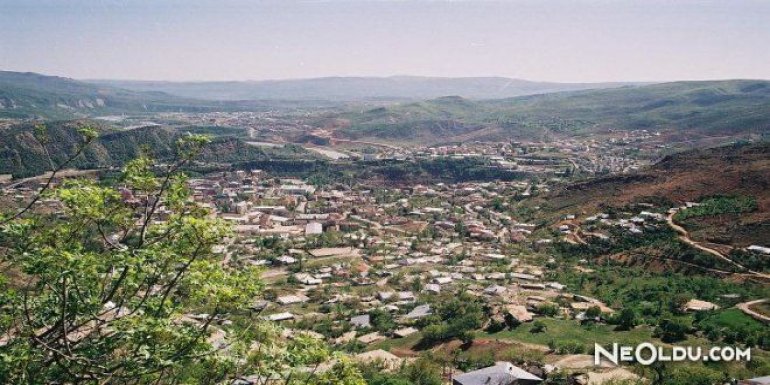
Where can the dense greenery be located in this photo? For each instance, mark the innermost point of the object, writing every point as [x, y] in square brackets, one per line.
[724, 107]
[25, 148]
[420, 372]
[731, 326]
[457, 317]
[106, 292]
[717, 206]
[657, 300]
[448, 170]
[659, 243]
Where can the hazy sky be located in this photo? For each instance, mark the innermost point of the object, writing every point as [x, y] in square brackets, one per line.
[560, 40]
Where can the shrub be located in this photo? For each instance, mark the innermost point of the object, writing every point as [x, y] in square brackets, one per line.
[537, 327]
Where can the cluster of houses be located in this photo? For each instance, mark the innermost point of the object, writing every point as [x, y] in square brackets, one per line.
[339, 253]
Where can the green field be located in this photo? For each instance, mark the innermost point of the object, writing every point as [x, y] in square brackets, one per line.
[570, 330]
[734, 319]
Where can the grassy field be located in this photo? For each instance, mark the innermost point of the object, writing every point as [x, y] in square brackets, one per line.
[570, 330]
[735, 320]
[397, 344]
[556, 329]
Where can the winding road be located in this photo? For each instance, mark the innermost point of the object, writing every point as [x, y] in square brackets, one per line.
[684, 235]
[746, 308]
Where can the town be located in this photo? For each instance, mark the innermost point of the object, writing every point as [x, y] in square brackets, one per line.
[370, 269]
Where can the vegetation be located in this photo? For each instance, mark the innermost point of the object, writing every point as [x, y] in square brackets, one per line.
[717, 206]
[458, 317]
[659, 243]
[104, 292]
[25, 148]
[705, 107]
[561, 331]
[732, 326]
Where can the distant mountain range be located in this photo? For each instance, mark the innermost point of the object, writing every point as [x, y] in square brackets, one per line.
[726, 107]
[25, 95]
[356, 88]
[31, 95]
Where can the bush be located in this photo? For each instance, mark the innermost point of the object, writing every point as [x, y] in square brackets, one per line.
[672, 330]
[719, 205]
[537, 327]
[520, 355]
[626, 319]
[566, 347]
[548, 309]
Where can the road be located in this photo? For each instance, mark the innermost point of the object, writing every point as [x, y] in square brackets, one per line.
[684, 235]
[746, 308]
[67, 172]
[337, 140]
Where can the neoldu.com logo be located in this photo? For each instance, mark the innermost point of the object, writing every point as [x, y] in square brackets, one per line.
[647, 354]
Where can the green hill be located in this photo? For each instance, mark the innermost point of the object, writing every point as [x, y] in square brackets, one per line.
[31, 95]
[706, 108]
[356, 88]
[739, 171]
[22, 153]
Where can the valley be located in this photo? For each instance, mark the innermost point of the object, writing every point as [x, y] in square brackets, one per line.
[449, 234]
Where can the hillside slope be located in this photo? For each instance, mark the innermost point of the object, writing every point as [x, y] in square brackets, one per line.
[731, 107]
[356, 88]
[22, 153]
[30, 95]
[736, 170]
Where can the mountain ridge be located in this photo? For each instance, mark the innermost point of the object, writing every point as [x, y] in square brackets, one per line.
[352, 88]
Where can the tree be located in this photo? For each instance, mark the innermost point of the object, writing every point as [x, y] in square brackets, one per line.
[100, 295]
[678, 303]
[382, 320]
[455, 318]
[693, 375]
[101, 292]
[593, 312]
[422, 372]
[626, 319]
[672, 330]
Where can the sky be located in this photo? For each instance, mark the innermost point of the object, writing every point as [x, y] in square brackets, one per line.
[546, 40]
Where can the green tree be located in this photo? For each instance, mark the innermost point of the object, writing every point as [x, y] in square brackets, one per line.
[626, 320]
[593, 312]
[672, 330]
[102, 291]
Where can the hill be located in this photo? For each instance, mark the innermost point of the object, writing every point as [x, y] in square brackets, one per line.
[731, 107]
[22, 153]
[356, 88]
[740, 170]
[29, 95]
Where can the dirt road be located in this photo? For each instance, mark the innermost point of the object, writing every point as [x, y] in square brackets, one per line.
[684, 235]
[746, 308]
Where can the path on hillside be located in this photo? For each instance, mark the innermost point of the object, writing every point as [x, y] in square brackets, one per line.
[746, 308]
[338, 140]
[684, 235]
[65, 173]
